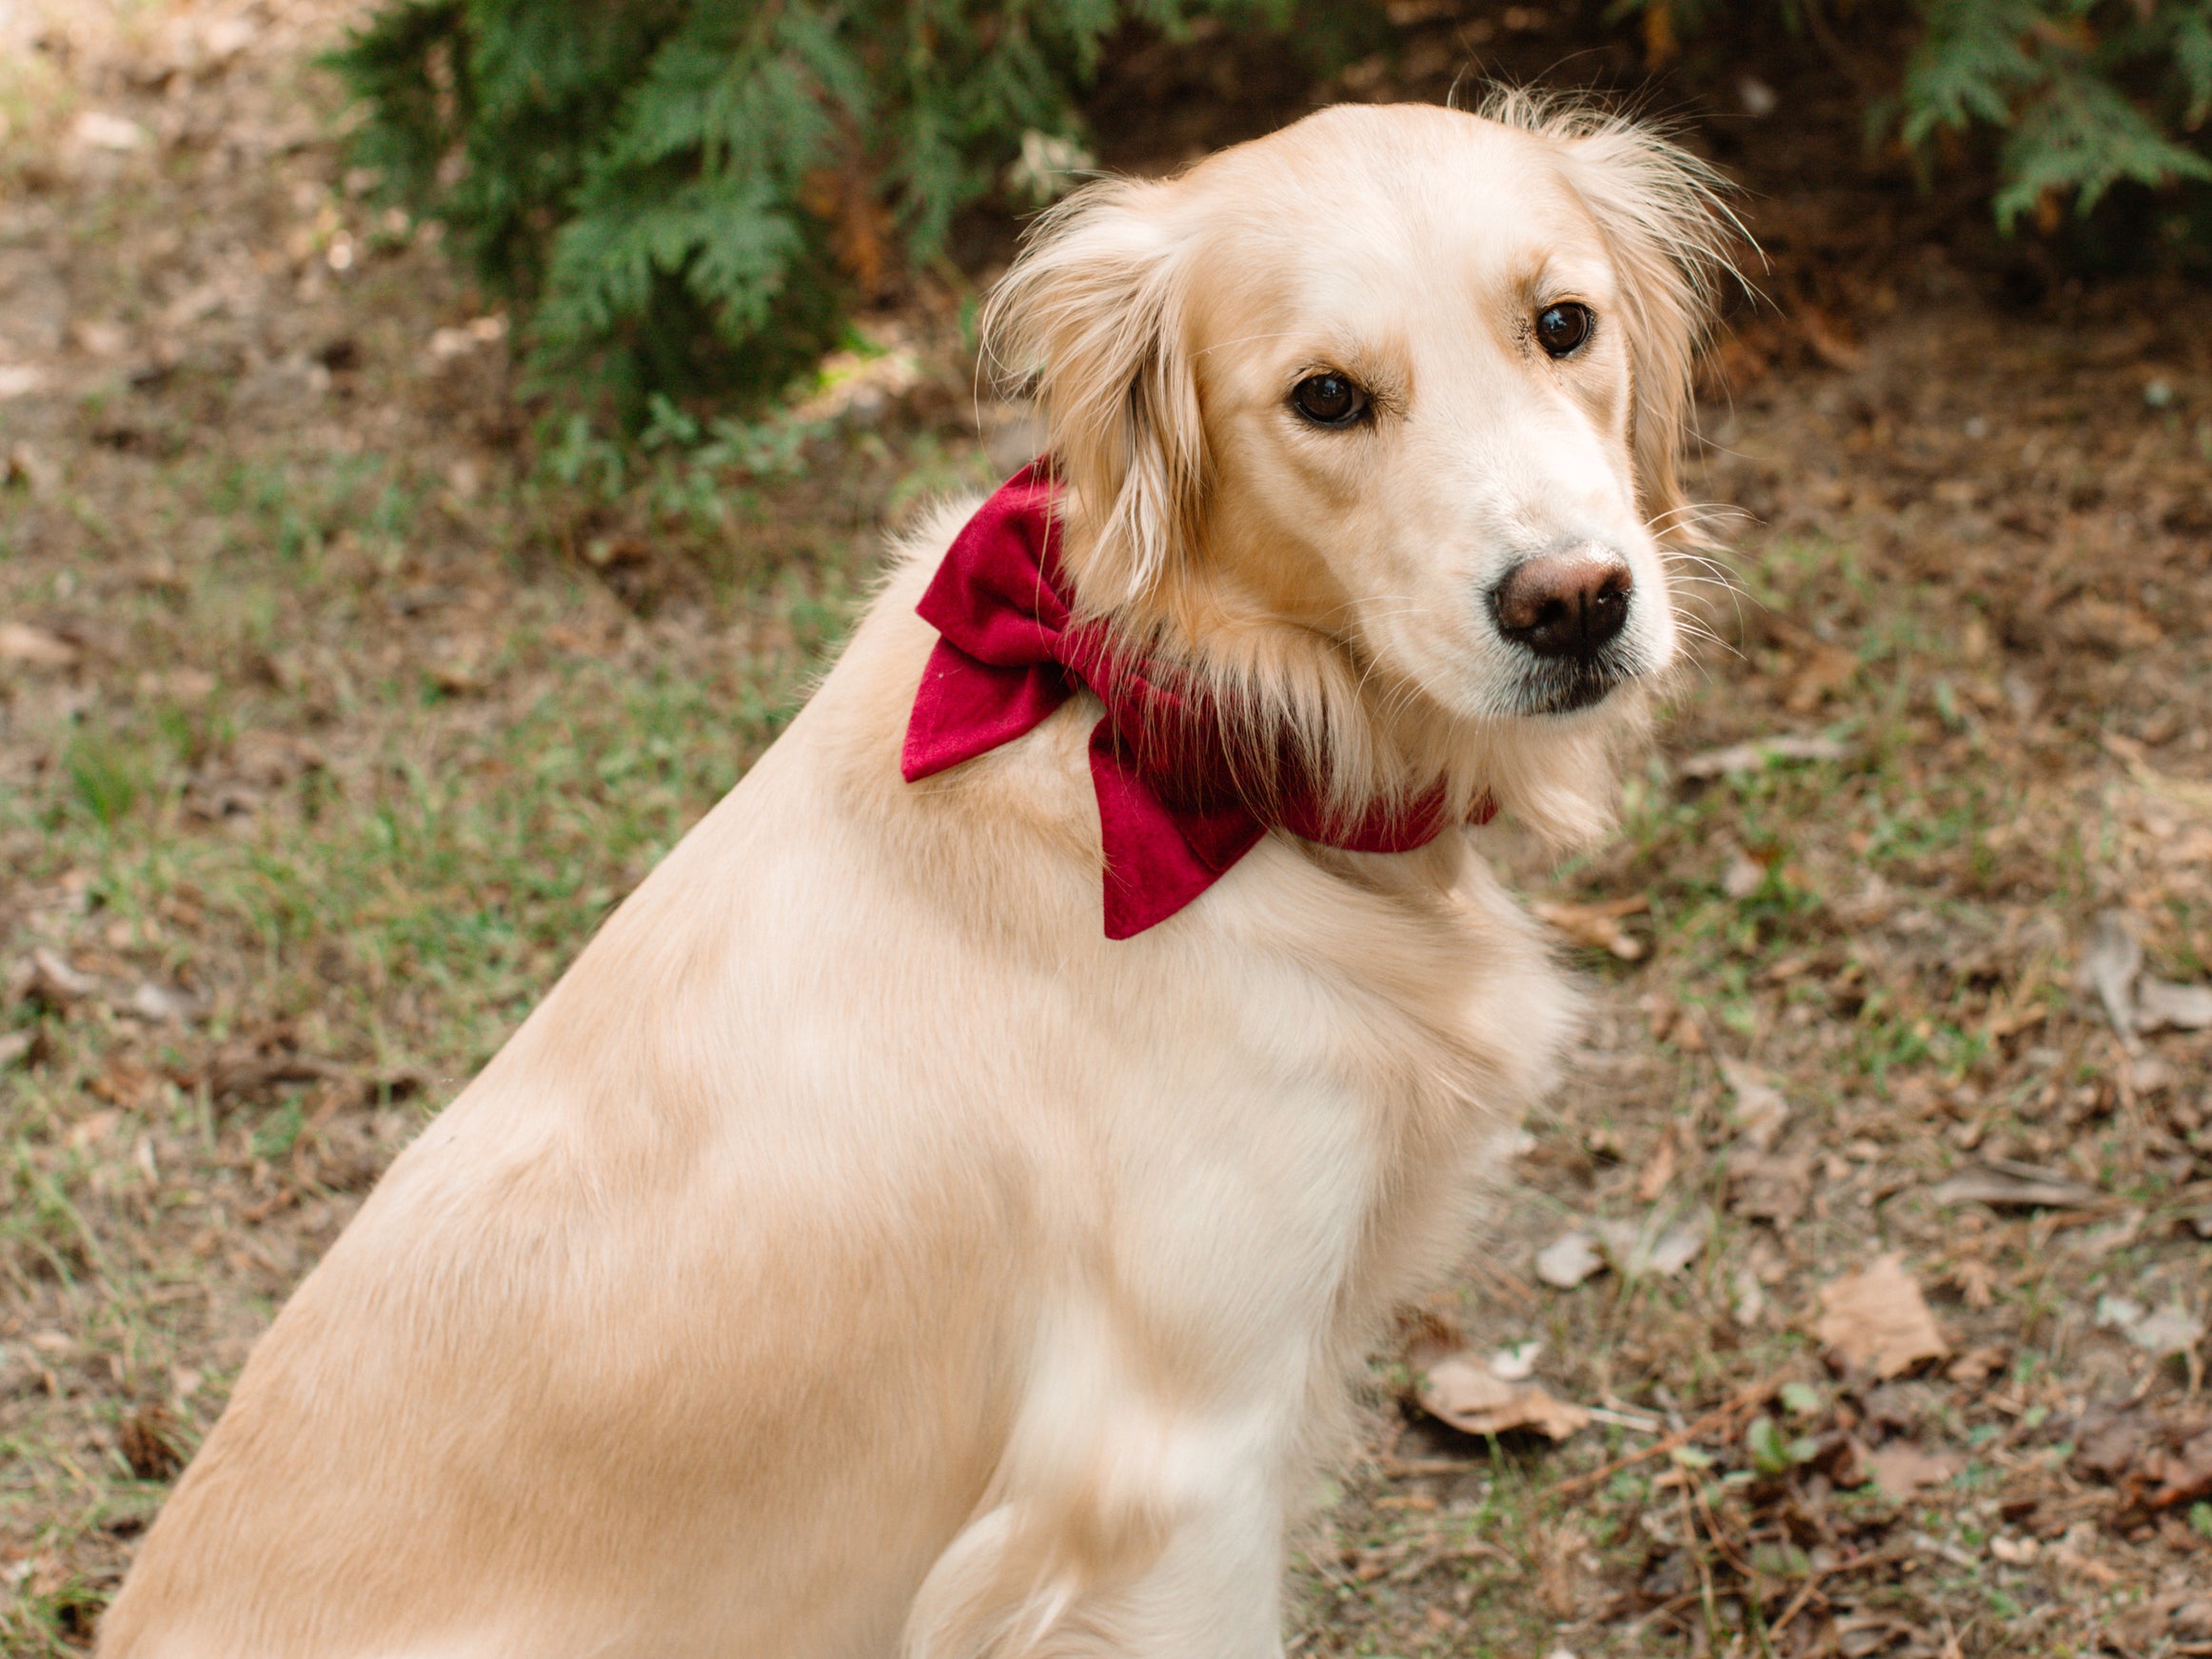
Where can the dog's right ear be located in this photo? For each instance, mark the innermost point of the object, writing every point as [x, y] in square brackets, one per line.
[1090, 320]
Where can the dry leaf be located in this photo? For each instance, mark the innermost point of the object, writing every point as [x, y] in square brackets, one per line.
[1977, 1282]
[1769, 1188]
[1568, 1261]
[1597, 926]
[2159, 1004]
[1877, 1320]
[98, 129]
[1657, 1173]
[1760, 1110]
[1517, 1363]
[1827, 344]
[2005, 1182]
[2111, 958]
[1977, 1365]
[149, 1443]
[160, 1002]
[1639, 1250]
[1462, 1390]
[2181, 1477]
[1827, 670]
[34, 647]
[55, 983]
[1743, 876]
[1902, 1468]
[2155, 1463]
[2159, 1332]
[1761, 753]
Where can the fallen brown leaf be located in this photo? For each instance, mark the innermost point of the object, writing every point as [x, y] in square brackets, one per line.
[2181, 1476]
[1877, 1320]
[54, 981]
[1760, 752]
[2111, 958]
[1568, 1261]
[1658, 1169]
[34, 647]
[1901, 1470]
[1760, 1110]
[1597, 926]
[1977, 1282]
[2005, 1182]
[1462, 1390]
[1656, 1245]
[1825, 669]
[1763, 1187]
[149, 1443]
[1976, 1365]
[2161, 1004]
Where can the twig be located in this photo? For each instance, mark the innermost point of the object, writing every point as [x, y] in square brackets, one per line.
[1705, 1597]
[1705, 1425]
[1813, 1580]
[1712, 1529]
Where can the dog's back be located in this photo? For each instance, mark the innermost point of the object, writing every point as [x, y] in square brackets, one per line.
[641, 1308]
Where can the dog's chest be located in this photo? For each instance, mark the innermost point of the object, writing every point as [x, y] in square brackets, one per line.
[1311, 1145]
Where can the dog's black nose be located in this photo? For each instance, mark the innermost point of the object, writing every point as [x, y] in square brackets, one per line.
[1564, 604]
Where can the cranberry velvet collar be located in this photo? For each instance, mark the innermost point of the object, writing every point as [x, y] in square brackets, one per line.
[1171, 816]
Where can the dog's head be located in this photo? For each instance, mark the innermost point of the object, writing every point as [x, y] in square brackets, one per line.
[1376, 421]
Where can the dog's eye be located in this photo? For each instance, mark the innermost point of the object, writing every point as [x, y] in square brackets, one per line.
[1329, 400]
[1561, 328]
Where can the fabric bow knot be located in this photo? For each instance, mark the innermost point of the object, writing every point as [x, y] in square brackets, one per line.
[1171, 816]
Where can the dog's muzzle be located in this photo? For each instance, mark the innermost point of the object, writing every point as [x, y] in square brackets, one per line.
[1566, 613]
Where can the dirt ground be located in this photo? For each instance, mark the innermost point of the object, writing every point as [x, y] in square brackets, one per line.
[1860, 1267]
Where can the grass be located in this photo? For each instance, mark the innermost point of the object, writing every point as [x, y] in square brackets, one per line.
[346, 805]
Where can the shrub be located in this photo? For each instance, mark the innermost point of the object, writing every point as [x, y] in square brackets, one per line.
[2087, 94]
[685, 195]
[2082, 94]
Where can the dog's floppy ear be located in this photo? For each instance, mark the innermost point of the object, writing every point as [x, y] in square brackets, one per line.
[1669, 233]
[1091, 319]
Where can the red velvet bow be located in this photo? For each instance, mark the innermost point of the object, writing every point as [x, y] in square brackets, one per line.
[1171, 815]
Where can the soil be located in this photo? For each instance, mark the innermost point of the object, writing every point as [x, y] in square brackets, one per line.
[343, 690]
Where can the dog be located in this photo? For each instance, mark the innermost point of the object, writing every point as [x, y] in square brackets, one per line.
[944, 1211]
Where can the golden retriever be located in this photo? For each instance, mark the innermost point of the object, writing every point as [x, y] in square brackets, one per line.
[859, 1254]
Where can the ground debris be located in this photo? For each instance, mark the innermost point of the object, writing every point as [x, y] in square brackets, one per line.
[1485, 1394]
[1877, 1321]
[1659, 1244]
[2156, 1459]
[34, 647]
[1597, 926]
[2008, 1183]
[1761, 753]
[1569, 1259]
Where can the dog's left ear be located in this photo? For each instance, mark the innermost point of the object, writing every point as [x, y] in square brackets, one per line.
[1668, 232]
[1091, 319]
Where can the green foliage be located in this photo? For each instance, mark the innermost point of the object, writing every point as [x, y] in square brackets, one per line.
[685, 196]
[2089, 94]
[2080, 94]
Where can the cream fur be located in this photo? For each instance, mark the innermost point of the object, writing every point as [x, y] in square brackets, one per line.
[857, 1253]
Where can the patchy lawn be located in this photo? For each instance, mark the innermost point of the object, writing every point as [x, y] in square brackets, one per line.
[1864, 1255]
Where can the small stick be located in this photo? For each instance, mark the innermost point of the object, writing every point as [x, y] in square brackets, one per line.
[1743, 1398]
[1813, 1579]
[1711, 1608]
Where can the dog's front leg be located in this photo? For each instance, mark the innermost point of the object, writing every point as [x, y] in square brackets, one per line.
[1120, 1527]
[1022, 1583]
